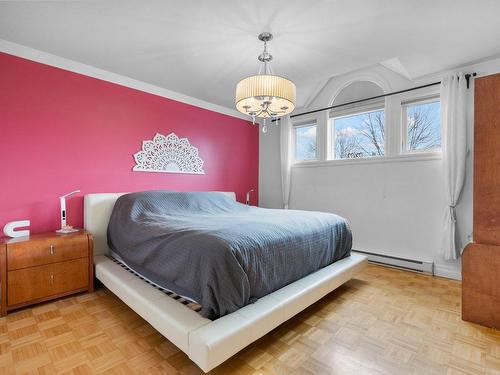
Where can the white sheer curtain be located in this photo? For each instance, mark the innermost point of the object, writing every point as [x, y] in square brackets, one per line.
[285, 155]
[454, 143]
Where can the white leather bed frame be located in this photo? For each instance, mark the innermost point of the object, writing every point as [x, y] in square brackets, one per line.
[207, 343]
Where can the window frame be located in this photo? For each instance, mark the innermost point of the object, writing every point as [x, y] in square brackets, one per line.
[302, 124]
[392, 106]
[431, 98]
[372, 106]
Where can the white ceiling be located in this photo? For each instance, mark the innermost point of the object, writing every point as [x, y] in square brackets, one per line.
[203, 48]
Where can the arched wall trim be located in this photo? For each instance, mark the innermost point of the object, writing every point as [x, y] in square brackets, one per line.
[373, 78]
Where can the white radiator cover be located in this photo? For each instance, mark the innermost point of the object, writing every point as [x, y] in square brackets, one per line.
[400, 263]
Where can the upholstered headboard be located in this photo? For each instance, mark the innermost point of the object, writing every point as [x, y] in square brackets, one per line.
[97, 210]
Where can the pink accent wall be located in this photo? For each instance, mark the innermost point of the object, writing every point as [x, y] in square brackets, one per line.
[61, 131]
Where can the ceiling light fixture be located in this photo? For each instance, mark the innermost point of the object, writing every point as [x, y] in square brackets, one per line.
[265, 95]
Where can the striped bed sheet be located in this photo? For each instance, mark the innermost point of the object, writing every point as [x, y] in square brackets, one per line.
[193, 305]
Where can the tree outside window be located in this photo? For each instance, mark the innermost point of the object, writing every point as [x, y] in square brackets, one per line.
[305, 142]
[360, 135]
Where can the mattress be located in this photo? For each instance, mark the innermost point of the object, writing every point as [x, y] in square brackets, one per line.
[223, 254]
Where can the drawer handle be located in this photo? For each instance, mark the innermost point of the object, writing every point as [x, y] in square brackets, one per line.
[52, 249]
[51, 279]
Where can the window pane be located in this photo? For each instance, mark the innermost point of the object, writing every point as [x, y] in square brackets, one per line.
[359, 136]
[305, 142]
[424, 129]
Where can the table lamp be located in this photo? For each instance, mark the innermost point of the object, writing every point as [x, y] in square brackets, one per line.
[64, 227]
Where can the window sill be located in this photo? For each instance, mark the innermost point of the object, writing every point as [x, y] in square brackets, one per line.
[424, 156]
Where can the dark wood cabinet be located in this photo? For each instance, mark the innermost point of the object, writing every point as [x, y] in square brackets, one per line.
[481, 259]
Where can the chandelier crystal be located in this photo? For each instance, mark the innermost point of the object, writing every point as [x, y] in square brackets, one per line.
[265, 95]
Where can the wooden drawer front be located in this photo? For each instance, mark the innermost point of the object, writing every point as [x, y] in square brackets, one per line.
[46, 251]
[37, 282]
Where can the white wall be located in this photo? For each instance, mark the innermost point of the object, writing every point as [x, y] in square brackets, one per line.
[395, 207]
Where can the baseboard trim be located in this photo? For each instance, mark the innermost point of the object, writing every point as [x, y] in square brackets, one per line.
[407, 264]
[448, 272]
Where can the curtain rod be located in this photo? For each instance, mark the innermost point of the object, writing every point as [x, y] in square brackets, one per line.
[467, 77]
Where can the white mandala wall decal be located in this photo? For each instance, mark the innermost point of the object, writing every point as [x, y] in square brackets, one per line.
[168, 154]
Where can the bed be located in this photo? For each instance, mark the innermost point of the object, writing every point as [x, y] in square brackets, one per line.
[208, 342]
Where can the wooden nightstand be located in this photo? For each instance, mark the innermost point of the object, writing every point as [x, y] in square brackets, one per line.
[43, 267]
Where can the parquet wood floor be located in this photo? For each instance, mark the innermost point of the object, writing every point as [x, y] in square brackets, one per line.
[383, 322]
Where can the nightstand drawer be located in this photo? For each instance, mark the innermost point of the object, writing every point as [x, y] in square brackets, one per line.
[46, 250]
[38, 282]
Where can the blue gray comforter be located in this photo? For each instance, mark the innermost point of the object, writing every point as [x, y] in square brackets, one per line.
[218, 252]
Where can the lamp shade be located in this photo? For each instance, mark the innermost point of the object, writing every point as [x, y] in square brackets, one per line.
[255, 93]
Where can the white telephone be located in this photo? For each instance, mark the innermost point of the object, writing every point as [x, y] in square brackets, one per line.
[10, 229]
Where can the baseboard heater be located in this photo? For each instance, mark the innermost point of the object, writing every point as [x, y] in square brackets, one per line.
[400, 263]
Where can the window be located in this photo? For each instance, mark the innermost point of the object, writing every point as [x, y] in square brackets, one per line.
[305, 142]
[421, 125]
[403, 126]
[358, 135]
